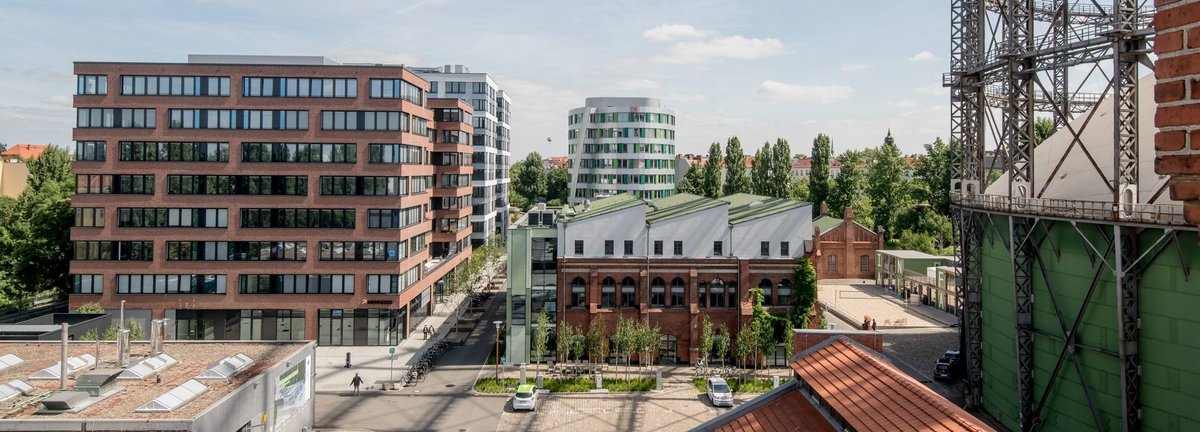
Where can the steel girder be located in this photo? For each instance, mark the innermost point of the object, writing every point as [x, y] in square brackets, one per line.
[1125, 273]
[1125, 118]
[1060, 28]
[1020, 232]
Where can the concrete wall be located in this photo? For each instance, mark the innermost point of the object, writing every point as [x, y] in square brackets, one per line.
[1168, 346]
[13, 177]
[618, 226]
[793, 226]
[697, 230]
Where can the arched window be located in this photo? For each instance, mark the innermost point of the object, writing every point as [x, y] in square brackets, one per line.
[578, 293]
[658, 292]
[668, 349]
[831, 264]
[768, 288]
[785, 292]
[716, 294]
[731, 288]
[677, 293]
[702, 294]
[608, 293]
[628, 293]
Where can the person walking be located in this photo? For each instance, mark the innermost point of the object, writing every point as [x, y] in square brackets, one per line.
[357, 381]
[873, 324]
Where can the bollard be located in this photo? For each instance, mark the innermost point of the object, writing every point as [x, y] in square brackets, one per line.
[599, 381]
[539, 382]
[775, 381]
[347, 360]
[832, 326]
[658, 380]
[522, 374]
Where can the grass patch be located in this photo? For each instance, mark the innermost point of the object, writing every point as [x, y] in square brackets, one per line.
[757, 385]
[566, 385]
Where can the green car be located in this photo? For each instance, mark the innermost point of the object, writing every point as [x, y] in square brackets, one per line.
[526, 398]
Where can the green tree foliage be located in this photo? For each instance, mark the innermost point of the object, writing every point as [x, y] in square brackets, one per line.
[849, 187]
[735, 168]
[625, 339]
[710, 184]
[558, 186]
[800, 191]
[562, 341]
[760, 173]
[541, 337]
[1042, 128]
[779, 173]
[529, 178]
[34, 241]
[744, 344]
[933, 176]
[706, 338]
[721, 342]
[136, 332]
[886, 184]
[804, 292]
[690, 183]
[90, 308]
[819, 183]
[597, 342]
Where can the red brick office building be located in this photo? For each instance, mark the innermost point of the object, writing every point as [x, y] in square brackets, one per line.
[249, 197]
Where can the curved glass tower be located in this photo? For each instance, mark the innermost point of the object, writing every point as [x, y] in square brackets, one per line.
[621, 145]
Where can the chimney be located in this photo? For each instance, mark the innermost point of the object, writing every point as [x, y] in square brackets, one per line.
[824, 209]
[879, 235]
[156, 337]
[62, 362]
[122, 347]
[848, 214]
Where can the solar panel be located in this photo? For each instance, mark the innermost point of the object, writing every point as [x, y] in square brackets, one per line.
[9, 360]
[175, 398]
[74, 364]
[13, 389]
[148, 367]
[227, 367]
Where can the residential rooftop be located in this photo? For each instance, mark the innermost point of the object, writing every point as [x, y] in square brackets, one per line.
[742, 207]
[24, 151]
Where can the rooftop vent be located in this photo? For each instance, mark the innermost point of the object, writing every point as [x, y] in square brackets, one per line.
[74, 366]
[177, 397]
[227, 367]
[66, 400]
[9, 360]
[756, 204]
[97, 382]
[149, 367]
[14, 388]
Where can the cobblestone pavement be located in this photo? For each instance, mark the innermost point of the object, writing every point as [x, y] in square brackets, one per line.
[852, 299]
[678, 407]
[915, 351]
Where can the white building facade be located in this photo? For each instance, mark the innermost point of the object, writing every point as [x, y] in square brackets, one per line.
[621, 145]
[491, 142]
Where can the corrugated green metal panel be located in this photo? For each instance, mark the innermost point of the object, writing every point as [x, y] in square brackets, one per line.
[604, 206]
[826, 223]
[1169, 344]
[679, 205]
[518, 283]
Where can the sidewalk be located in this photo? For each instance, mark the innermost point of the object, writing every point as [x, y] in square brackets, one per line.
[852, 299]
[373, 363]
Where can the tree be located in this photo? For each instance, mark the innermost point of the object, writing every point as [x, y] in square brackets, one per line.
[933, 176]
[648, 340]
[1042, 129]
[529, 177]
[562, 343]
[579, 343]
[922, 219]
[90, 308]
[848, 187]
[691, 182]
[886, 184]
[779, 173]
[743, 345]
[819, 184]
[558, 186]
[136, 332]
[541, 338]
[706, 338]
[735, 168]
[800, 191]
[34, 243]
[760, 178]
[710, 184]
[625, 339]
[721, 343]
[597, 342]
[804, 292]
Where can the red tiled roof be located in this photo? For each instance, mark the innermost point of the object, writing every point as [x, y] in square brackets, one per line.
[25, 151]
[790, 412]
[556, 162]
[871, 394]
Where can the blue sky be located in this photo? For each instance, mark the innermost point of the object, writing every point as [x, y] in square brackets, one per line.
[755, 69]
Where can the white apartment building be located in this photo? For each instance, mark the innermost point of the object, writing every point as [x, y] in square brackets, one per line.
[491, 142]
[621, 145]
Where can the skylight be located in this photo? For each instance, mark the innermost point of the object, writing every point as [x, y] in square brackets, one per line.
[149, 367]
[227, 367]
[9, 360]
[177, 397]
[14, 388]
[74, 365]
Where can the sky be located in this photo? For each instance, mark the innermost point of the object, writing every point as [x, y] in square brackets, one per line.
[759, 70]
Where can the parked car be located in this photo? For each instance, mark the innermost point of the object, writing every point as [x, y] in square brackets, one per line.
[949, 367]
[526, 398]
[719, 392]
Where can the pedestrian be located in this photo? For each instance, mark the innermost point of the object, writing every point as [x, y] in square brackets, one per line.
[425, 330]
[873, 324]
[357, 381]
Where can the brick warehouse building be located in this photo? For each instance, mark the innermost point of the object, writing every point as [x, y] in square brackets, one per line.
[666, 262]
[203, 186]
[845, 249]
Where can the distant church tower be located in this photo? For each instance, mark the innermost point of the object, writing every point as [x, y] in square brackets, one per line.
[888, 139]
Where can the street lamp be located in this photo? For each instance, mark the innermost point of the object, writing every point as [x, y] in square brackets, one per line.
[497, 323]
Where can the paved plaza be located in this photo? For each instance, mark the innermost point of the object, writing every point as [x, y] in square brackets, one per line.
[853, 299]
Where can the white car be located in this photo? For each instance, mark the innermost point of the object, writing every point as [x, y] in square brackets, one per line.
[526, 398]
[719, 392]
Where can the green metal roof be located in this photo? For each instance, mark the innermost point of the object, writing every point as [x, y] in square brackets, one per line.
[826, 223]
[746, 207]
[603, 206]
[679, 205]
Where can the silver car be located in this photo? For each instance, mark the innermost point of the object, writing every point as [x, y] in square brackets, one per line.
[719, 392]
[526, 398]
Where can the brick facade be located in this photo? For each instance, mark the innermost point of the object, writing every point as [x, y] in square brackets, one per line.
[1177, 92]
[848, 244]
[805, 339]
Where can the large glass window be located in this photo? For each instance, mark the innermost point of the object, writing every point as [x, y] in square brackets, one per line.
[89, 150]
[371, 186]
[237, 251]
[159, 85]
[299, 152]
[362, 251]
[238, 119]
[300, 87]
[134, 217]
[677, 293]
[397, 89]
[658, 293]
[394, 218]
[785, 292]
[89, 217]
[88, 284]
[297, 218]
[629, 293]
[395, 154]
[295, 284]
[104, 250]
[136, 118]
[91, 84]
[768, 289]
[170, 284]
[578, 293]
[608, 293]
[716, 294]
[365, 120]
[141, 151]
[236, 185]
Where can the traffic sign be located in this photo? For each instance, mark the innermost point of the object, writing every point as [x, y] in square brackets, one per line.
[392, 350]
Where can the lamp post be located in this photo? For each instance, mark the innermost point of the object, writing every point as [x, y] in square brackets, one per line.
[497, 323]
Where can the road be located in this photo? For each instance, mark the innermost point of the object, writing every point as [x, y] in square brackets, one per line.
[443, 402]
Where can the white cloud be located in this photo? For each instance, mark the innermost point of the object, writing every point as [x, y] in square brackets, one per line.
[636, 84]
[684, 97]
[901, 103]
[853, 67]
[825, 94]
[922, 56]
[670, 32]
[720, 48]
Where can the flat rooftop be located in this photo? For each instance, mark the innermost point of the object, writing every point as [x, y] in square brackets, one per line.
[194, 357]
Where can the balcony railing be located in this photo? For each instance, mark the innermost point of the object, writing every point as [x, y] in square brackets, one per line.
[1161, 214]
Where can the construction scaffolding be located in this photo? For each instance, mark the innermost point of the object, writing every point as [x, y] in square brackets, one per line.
[1074, 62]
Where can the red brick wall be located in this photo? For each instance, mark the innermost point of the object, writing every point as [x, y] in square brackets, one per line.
[806, 339]
[1177, 92]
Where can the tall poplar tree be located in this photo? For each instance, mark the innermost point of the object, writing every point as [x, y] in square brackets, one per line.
[780, 172]
[886, 185]
[760, 172]
[849, 186]
[735, 168]
[819, 183]
[711, 183]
